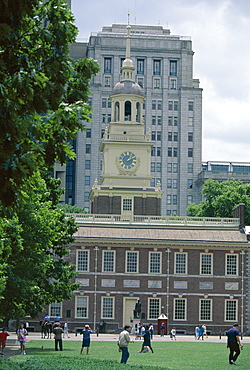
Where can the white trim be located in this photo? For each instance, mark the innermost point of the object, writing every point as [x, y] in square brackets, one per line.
[153, 318]
[185, 313]
[114, 263]
[113, 308]
[137, 262]
[211, 309]
[77, 257]
[87, 308]
[235, 319]
[160, 262]
[186, 263]
[237, 264]
[212, 267]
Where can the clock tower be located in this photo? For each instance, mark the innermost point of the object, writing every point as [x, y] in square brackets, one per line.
[125, 188]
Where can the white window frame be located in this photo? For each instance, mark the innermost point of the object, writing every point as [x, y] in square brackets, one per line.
[206, 254]
[149, 262]
[149, 311]
[77, 259]
[113, 307]
[87, 307]
[185, 312]
[186, 263]
[114, 260]
[235, 319]
[237, 264]
[56, 305]
[211, 310]
[137, 262]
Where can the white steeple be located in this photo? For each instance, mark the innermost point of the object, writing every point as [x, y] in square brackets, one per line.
[127, 65]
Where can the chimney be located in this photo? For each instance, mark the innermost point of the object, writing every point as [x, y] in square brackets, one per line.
[239, 212]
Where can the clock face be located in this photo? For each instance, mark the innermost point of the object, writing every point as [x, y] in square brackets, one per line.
[127, 160]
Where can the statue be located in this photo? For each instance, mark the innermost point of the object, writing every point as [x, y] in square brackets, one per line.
[137, 310]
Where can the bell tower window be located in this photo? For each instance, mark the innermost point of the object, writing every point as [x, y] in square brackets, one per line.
[127, 116]
[138, 112]
[117, 111]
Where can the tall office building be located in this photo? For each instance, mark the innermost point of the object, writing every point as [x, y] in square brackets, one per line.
[172, 110]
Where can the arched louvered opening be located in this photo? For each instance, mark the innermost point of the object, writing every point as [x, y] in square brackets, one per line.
[117, 111]
[127, 113]
[138, 112]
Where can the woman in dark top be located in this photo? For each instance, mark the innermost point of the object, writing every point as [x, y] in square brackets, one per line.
[146, 340]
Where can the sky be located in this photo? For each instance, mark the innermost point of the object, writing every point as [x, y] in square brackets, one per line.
[220, 32]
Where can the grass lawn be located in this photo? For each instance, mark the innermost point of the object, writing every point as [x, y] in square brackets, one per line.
[168, 355]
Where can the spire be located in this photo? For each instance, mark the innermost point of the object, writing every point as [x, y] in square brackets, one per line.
[127, 65]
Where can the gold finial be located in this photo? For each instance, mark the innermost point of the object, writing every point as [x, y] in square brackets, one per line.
[128, 26]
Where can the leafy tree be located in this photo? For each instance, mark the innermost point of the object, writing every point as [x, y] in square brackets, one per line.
[220, 198]
[43, 93]
[68, 208]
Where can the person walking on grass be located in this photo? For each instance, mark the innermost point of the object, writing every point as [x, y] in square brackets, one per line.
[21, 337]
[3, 336]
[86, 339]
[146, 340]
[123, 342]
[233, 343]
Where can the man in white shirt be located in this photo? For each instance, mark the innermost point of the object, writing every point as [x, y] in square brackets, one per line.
[124, 340]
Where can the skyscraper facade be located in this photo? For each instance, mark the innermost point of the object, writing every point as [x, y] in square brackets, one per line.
[172, 111]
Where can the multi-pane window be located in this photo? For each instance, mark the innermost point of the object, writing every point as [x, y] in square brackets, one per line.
[169, 199]
[190, 167]
[173, 68]
[157, 83]
[190, 121]
[140, 81]
[82, 262]
[174, 183]
[170, 105]
[190, 106]
[189, 199]
[232, 264]
[190, 152]
[152, 166]
[88, 149]
[206, 264]
[140, 66]
[180, 309]
[109, 118]
[169, 168]
[158, 167]
[107, 81]
[169, 152]
[108, 261]
[132, 262]
[175, 167]
[175, 152]
[88, 132]
[190, 136]
[231, 310]
[55, 309]
[104, 118]
[175, 121]
[180, 263]
[169, 183]
[159, 105]
[104, 102]
[81, 307]
[154, 262]
[108, 307]
[175, 105]
[175, 136]
[174, 199]
[87, 180]
[87, 164]
[158, 137]
[170, 121]
[153, 135]
[170, 136]
[107, 65]
[153, 104]
[109, 103]
[159, 121]
[205, 310]
[190, 183]
[153, 120]
[153, 151]
[156, 67]
[158, 151]
[127, 204]
[154, 305]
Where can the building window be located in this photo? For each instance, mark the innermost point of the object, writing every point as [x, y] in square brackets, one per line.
[158, 167]
[173, 68]
[108, 261]
[81, 307]
[169, 199]
[107, 65]
[170, 121]
[232, 264]
[152, 183]
[205, 310]
[140, 81]
[231, 310]
[190, 106]
[168, 212]
[158, 151]
[174, 183]
[175, 105]
[206, 264]
[108, 307]
[175, 152]
[170, 136]
[109, 103]
[189, 199]
[109, 118]
[152, 166]
[155, 262]
[88, 149]
[107, 81]
[154, 305]
[175, 167]
[127, 204]
[173, 84]
[131, 262]
[190, 152]
[153, 104]
[55, 309]
[158, 136]
[179, 309]
[159, 121]
[169, 183]
[175, 121]
[174, 199]
[102, 133]
[170, 105]
[159, 105]
[175, 136]
[140, 66]
[87, 180]
[190, 183]
[86, 196]
[190, 121]
[169, 168]
[87, 164]
[82, 262]
[153, 120]
[104, 102]
[157, 83]
[153, 151]
[190, 136]
[88, 132]
[180, 263]
[104, 118]
[190, 167]
[156, 67]
[169, 152]
[153, 135]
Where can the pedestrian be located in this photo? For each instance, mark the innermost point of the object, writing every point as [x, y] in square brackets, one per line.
[139, 330]
[3, 337]
[146, 340]
[21, 337]
[205, 329]
[233, 343]
[196, 335]
[123, 343]
[173, 334]
[201, 332]
[151, 329]
[162, 329]
[58, 331]
[65, 330]
[86, 338]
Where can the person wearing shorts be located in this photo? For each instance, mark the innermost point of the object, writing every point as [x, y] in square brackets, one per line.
[21, 337]
[146, 340]
[86, 339]
[3, 336]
